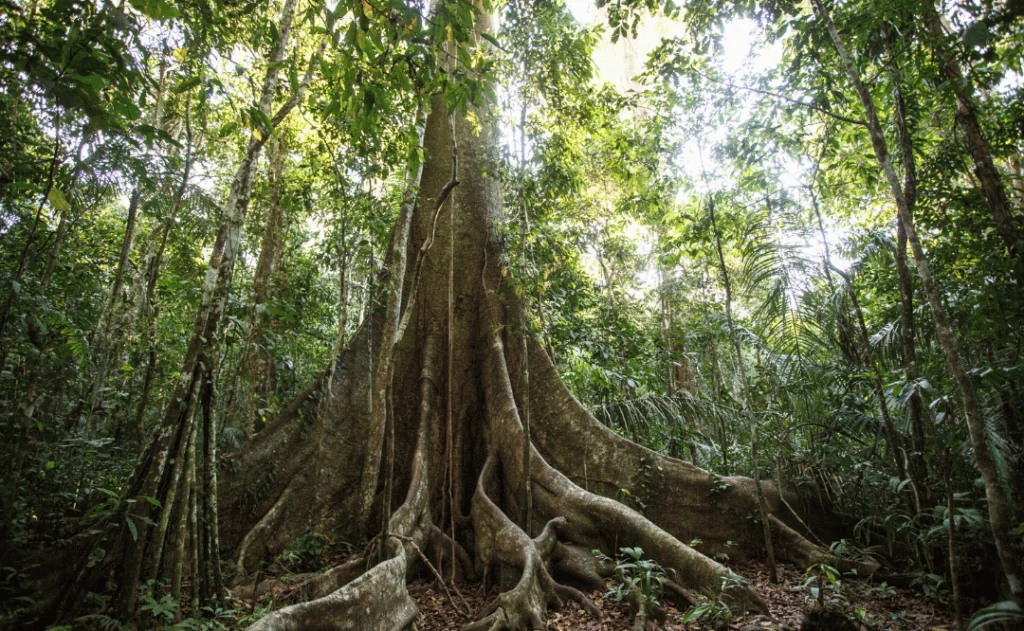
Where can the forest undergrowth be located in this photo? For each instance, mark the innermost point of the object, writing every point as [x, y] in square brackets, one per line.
[872, 602]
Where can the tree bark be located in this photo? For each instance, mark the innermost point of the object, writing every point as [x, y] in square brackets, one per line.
[257, 365]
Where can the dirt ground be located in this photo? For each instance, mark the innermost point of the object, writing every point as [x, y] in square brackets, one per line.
[884, 608]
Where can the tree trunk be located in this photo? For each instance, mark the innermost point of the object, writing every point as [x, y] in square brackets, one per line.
[954, 578]
[967, 115]
[308, 468]
[257, 365]
[998, 506]
[918, 464]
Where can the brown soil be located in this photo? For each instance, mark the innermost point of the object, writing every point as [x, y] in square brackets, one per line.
[886, 609]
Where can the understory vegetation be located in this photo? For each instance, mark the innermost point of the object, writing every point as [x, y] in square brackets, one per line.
[289, 292]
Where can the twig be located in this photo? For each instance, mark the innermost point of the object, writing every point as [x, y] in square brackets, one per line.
[436, 574]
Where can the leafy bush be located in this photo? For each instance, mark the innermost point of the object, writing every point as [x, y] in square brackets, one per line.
[635, 576]
[1000, 613]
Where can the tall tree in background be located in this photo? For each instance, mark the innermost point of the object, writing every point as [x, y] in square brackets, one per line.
[998, 504]
[163, 466]
[257, 365]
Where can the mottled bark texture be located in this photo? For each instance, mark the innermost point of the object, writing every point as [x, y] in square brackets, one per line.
[459, 477]
[258, 366]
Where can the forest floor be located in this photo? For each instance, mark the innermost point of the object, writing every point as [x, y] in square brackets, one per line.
[880, 606]
[884, 608]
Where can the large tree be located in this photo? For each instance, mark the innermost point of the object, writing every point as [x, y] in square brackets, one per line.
[422, 416]
[412, 439]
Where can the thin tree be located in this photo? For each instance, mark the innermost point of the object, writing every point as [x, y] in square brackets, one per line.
[748, 408]
[985, 170]
[998, 506]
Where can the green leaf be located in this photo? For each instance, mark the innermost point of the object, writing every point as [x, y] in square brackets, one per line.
[58, 201]
[156, 9]
[94, 81]
[187, 84]
[132, 528]
[976, 35]
[492, 39]
[227, 129]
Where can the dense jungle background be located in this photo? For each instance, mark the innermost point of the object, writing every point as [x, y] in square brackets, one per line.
[267, 267]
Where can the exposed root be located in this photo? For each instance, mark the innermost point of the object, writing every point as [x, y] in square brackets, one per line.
[580, 565]
[375, 601]
[250, 552]
[594, 520]
[502, 545]
[437, 575]
[443, 546]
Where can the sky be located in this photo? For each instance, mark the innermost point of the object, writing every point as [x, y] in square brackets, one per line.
[744, 56]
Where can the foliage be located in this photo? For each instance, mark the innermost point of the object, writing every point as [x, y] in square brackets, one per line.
[608, 184]
[996, 615]
[635, 578]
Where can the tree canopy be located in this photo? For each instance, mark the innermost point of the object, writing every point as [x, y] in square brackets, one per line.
[384, 288]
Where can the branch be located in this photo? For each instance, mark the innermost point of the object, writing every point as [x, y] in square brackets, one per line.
[776, 95]
[295, 98]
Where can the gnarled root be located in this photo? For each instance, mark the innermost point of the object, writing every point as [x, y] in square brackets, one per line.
[375, 601]
[501, 545]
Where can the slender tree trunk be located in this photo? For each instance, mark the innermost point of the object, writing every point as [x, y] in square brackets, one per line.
[150, 309]
[918, 463]
[998, 506]
[954, 576]
[182, 531]
[747, 406]
[109, 315]
[53, 257]
[892, 437]
[967, 115]
[209, 496]
[256, 367]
